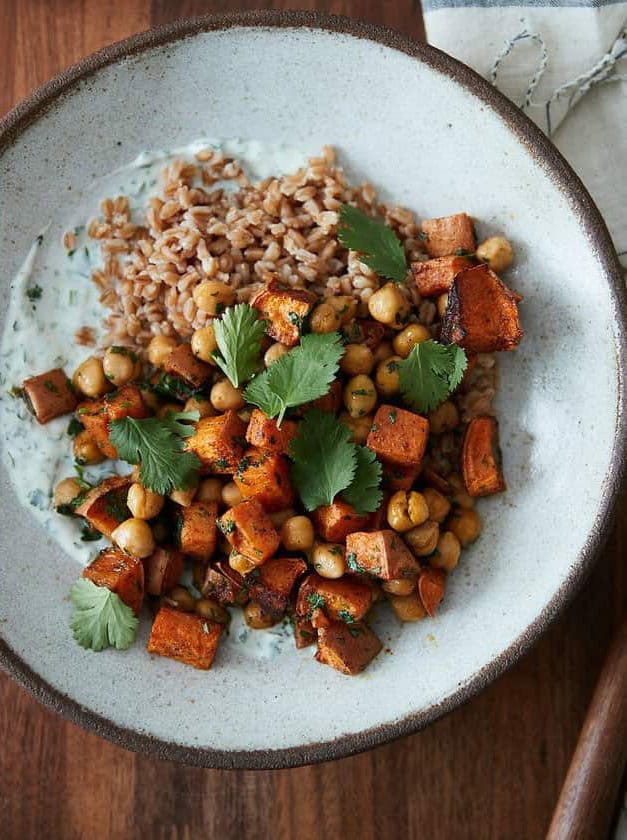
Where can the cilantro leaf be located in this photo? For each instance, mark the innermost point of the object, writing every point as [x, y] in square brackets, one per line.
[430, 373]
[238, 335]
[300, 376]
[364, 492]
[324, 458]
[376, 243]
[101, 619]
[159, 447]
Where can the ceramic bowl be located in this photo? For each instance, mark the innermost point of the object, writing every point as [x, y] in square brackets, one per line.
[434, 136]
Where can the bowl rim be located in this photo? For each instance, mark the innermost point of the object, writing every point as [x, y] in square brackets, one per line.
[582, 205]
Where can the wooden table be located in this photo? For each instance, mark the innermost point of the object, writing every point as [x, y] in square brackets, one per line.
[492, 769]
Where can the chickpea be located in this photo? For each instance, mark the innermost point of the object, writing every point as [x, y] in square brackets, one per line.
[444, 418]
[212, 611]
[466, 525]
[345, 306]
[497, 252]
[460, 495]
[184, 498]
[143, 503]
[423, 538]
[388, 306]
[328, 560]
[159, 349]
[240, 563]
[447, 552]
[257, 618]
[324, 319]
[213, 296]
[441, 304]
[439, 505]
[204, 343]
[89, 378]
[182, 599]
[135, 537]
[167, 408]
[231, 494]
[359, 426]
[357, 358]
[387, 377]
[297, 533]
[201, 405]
[225, 397]
[360, 395]
[383, 352]
[279, 517]
[408, 338]
[66, 491]
[86, 450]
[418, 508]
[407, 607]
[209, 490]
[120, 365]
[406, 510]
[274, 352]
[399, 586]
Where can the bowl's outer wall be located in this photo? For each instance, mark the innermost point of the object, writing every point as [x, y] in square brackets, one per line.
[428, 143]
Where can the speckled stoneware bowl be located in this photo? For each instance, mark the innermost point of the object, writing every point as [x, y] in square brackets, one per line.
[434, 136]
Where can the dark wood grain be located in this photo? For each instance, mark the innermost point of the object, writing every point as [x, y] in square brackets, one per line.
[492, 769]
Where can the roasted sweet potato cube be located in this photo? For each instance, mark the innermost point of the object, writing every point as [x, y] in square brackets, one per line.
[305, 633]
[96, 415]
[398, 436]
[271, 584]
[431, 478]
[125, 402]
[266, 477]
[435, 277]
[448, 235]
[182, 362]
[335, 521]
[349, 648]
[120, 573]
[382, 554]
[49, 395]
[197, 532]
[284, 309]
[104, 506]
[343, 599]
[482, 313]
[431, 586]
[263, 433]
[162, 570]
[185, 637]
[481, 457]
[250, 531]
[219, 586]
[218, 443]
[397, 477]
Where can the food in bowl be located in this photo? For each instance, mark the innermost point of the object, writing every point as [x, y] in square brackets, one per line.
[302, 379]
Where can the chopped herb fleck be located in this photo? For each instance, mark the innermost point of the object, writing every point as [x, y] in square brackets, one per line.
[392, 417]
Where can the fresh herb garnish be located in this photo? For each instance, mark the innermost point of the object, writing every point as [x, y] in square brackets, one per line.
[300, 376]
[376, 243]
[101, 619]
[316, 601]
[159, 447]
[430, 373]
[364, 492]
[74, 427]
[34, 293]
[238, 335]
[346, 617]
[173, 387]
[89, 534]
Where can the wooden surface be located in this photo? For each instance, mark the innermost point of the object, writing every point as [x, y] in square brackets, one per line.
[492, 769]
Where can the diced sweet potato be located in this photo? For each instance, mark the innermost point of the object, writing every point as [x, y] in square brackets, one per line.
[271, 584]
[382, 554]
[335, 521]
[219, 443]
[266, 477]
[349, 648]
[343, 599]
[220, 586]
[319, 619]
[448, 235]
[185, 637]
[305, 633]
[284, 309]
[104, 507]
[435, 277]
[182, 362]
[120, 573]
[430, 478]
[482, 313]
[397, 477]
[481, 457]
[431, 586]
[96, 415]
[49, 395]
[162, 570]
[263, 433]
[197, 533]
[250, 531]
[398, 437]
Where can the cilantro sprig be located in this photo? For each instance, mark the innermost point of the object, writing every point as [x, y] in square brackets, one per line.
[238, 335]
[376, 243]
[364, 492]
[298, 377]
[430, 373]
[158, 446]
[101, 619]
